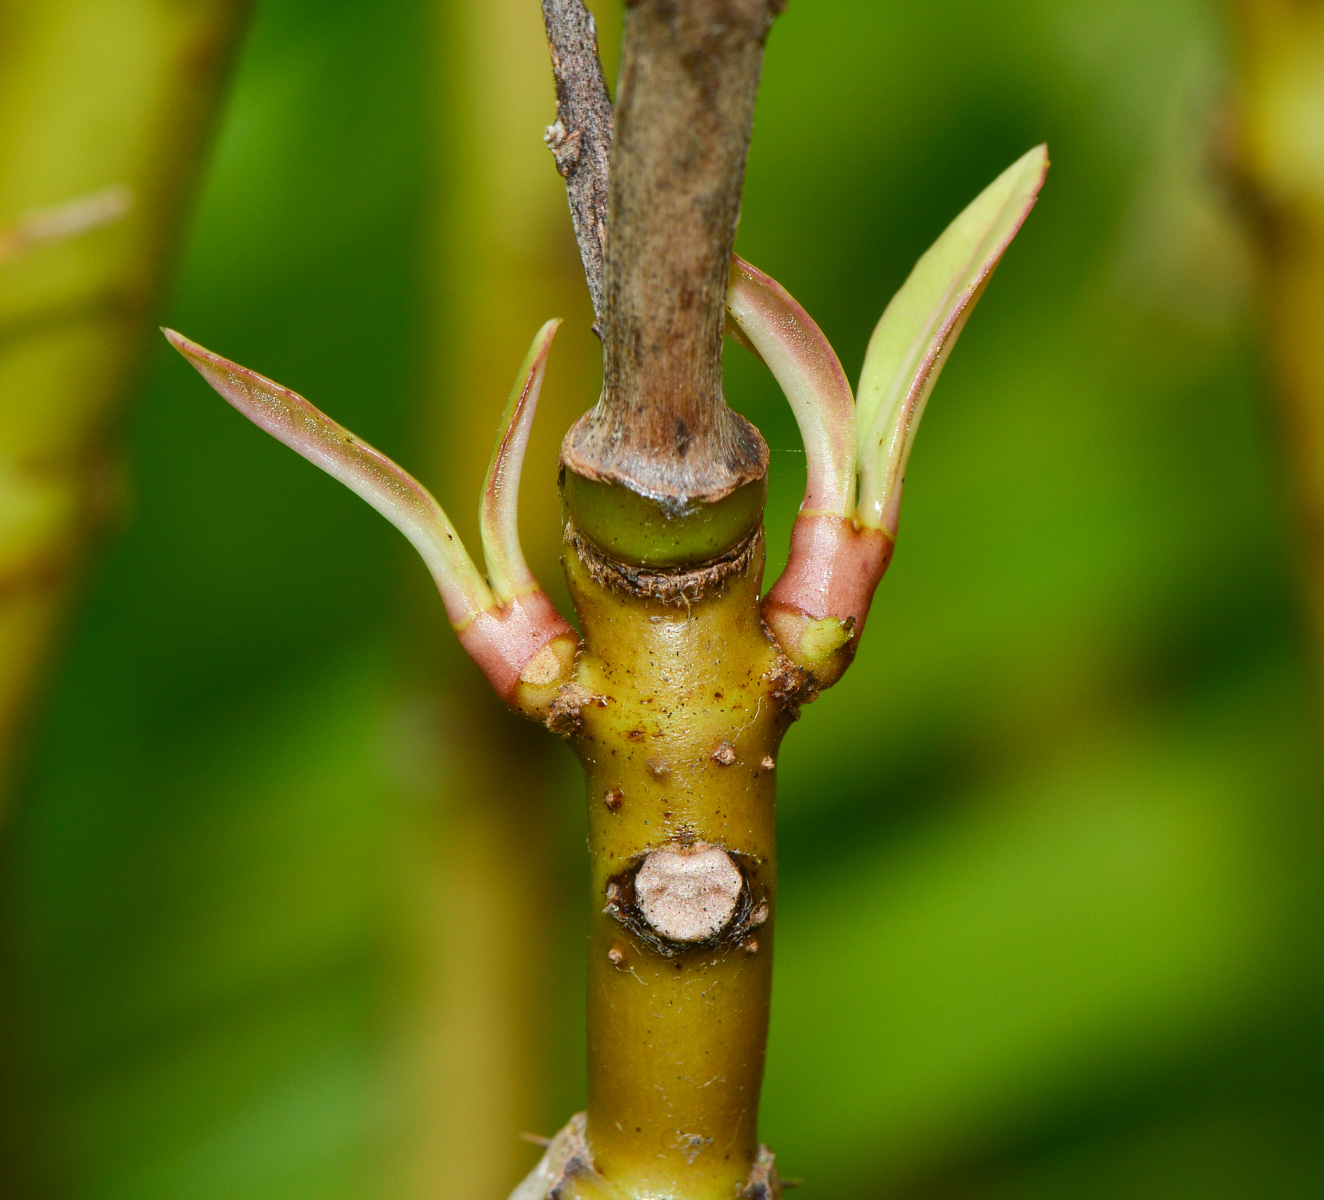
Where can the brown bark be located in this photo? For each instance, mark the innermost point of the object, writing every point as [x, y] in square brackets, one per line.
[580, 140]
[689, 73]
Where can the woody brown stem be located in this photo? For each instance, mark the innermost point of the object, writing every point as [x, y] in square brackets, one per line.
[689, 73]
[580, 140]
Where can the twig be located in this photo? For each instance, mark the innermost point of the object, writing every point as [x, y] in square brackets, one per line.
[581, 137]
[689, 73]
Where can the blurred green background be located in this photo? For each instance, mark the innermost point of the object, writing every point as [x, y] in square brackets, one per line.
[1051, 910]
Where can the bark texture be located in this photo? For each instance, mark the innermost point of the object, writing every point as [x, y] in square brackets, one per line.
[689, 73]
[580, 139]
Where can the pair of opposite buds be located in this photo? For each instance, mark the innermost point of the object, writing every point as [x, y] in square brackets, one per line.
[856, 451]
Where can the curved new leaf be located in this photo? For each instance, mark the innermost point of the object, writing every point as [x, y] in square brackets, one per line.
[392, 491]
[498, 513]
[803, 362]
[920, 326]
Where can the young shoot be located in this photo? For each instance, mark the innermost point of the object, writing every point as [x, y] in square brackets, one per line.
[686, 678]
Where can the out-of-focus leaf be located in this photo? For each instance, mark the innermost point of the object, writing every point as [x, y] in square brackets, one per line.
[105, 109]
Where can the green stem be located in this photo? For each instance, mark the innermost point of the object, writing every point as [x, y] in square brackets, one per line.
[94, 94]
[684, 702]
[1281, 44]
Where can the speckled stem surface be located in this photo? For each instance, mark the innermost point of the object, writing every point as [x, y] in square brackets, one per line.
[683, 704]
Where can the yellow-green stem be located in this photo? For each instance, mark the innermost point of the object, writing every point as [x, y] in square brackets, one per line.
[680, 718]
[1281, 160]
[93, 93]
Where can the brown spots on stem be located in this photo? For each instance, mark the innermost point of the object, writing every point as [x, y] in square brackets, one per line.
[791, 686]
[769, 763]
[616, 955]
[614, 799]
[725, 754]
[565, 714]
[657, 769]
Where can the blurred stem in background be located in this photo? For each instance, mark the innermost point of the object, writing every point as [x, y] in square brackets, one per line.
[1280, 132]
[109, 98]
[481, 1016]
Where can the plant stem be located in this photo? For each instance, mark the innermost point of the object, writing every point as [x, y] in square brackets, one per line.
[1281, 44]
[580, 140]
[689, 74]
[93, 94]
[678, 753]
[679, 698]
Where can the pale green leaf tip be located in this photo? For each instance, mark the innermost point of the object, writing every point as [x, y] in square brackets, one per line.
[917, 331]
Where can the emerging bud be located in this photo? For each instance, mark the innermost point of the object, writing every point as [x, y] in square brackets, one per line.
[510, 629]
[840, 548]
[916, 334]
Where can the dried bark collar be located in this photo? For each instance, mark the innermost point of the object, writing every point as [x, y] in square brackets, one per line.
[681, 587]
[689, 73]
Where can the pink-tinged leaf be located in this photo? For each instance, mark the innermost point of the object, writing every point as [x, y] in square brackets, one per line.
[919, 328]
[802, 361]
[817, 609]
[526, 649]
[498, 514]
[64, 221]
[393, 492]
